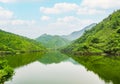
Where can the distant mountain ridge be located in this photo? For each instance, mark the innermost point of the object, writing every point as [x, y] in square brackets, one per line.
[50, 41]
[75, 35]
[56, 41]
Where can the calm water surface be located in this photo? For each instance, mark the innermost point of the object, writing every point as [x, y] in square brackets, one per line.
[57, 68]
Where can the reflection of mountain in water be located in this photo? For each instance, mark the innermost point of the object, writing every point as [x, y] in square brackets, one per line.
[19, 60]
[53, 57]
[72, 61]
[106, 68]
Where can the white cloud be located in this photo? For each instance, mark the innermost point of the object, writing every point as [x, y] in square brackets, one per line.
[68, 19]
[104, 4]
[69, 23]
[22, 22]
[45, 18]
[7, 1]
[62, 8]
[17, 22]
[5, 22]
[59, 8]
[7, 18]
[5, 14]
[89, 11]
[73, 19]
[22, 27]
[11, 1]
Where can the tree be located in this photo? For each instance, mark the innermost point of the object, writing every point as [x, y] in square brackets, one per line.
[95, 40]
[6, 72]
[118, 31]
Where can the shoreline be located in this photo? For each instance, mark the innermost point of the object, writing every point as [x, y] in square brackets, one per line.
[90, 53]
[19, 52]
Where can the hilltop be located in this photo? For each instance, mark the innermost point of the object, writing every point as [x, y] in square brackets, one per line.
[77, 34]
[103, 38]
[50, 41]
[12, 42]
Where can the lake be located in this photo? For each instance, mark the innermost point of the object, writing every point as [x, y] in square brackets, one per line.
[58, 68]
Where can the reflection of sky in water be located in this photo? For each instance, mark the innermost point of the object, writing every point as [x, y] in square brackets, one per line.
[62, 73]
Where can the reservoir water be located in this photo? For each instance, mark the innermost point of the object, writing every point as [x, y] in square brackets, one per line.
[57, 68]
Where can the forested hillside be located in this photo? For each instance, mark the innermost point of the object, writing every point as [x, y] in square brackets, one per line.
[12, 42]
[50, 41]
[103, 38]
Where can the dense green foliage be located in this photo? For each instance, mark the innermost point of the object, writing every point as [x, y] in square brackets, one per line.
[12, 42]
[107, 68]
[52, 41]
[18, 60]
[103, 38]
[6, 72]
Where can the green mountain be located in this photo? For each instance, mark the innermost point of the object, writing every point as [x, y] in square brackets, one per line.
[50, 41]
[77, 34]
[103, 38]
[56, 41]
[13, 42]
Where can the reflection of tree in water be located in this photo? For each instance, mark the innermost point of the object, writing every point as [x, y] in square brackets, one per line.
[15, 61]
[53, 57]
[19, 60]
[106, 68]
[6, 72]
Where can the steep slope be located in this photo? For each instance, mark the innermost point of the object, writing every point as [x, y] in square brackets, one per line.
[103, 38]
[13, 42]
[52, 41]
[75, 35]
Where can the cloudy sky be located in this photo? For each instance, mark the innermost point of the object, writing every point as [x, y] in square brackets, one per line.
[31, 18]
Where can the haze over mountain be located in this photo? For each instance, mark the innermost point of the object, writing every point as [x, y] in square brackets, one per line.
[57, 41]
[103, 38]
[76, 34]
[32, 18]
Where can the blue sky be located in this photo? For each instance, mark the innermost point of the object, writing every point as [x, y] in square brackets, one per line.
[32, 18]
